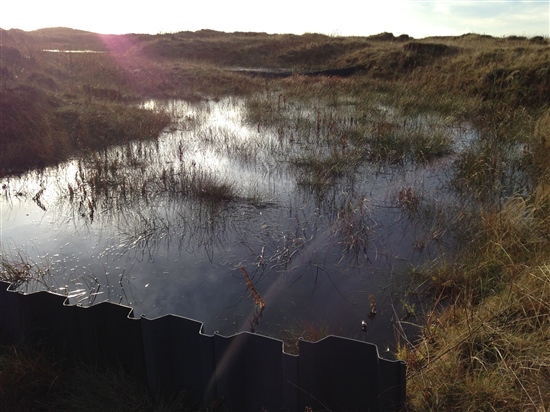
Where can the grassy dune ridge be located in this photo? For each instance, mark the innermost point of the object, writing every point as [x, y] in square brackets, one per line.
[484, 341]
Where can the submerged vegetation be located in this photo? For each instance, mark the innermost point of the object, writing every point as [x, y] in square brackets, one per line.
[482, 337]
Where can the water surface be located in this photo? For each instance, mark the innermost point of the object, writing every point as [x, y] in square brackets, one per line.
[122, 225]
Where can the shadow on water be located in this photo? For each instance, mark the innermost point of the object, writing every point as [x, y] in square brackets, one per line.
[247, 214]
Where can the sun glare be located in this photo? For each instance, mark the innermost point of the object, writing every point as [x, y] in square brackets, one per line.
[343, 17]
[90, 16]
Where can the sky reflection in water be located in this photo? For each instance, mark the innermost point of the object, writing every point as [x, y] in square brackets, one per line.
[313, 258]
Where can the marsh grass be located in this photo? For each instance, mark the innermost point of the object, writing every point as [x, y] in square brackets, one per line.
[483, 341]
[19, 270]
[538, 149]
[319, 171]
[330, 134]
[353, 227]
[209, 187]
[101, 125]
[496, 164]
[397, 144]
[496, 319]
[503, 341]
[133, 174]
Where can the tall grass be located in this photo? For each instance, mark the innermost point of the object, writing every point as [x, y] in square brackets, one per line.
[494, 355]
[495, 323]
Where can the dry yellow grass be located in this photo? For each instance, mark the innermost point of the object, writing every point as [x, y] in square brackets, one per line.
[487, 348]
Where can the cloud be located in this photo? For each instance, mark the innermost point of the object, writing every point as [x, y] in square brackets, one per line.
[497, 18]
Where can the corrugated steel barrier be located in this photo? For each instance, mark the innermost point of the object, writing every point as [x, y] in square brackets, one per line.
[170, 353]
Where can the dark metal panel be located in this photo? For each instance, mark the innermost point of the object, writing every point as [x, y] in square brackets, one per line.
[171, 346]
[249, 371]
[46, 320]
[338, 374]
[108, 333]
[11, 315]
[207, 357]
[40, 318]
[70, 323]
[43, 317]
[291, 372]
[392, 381]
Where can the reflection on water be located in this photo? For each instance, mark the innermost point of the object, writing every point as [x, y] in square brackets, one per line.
[72, 51]
[128, 225]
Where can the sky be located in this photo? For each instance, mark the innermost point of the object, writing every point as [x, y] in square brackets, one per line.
[417, 18]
